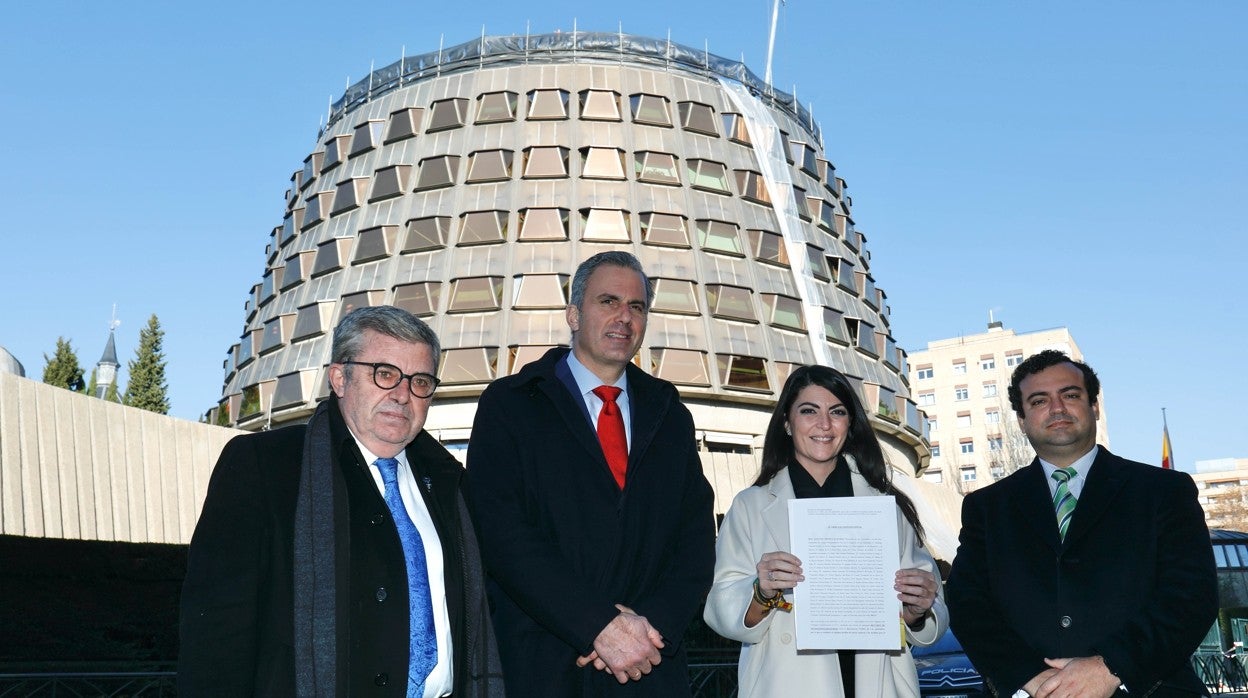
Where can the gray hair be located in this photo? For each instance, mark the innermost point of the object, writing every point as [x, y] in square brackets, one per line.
[382, 319]
[615, 258]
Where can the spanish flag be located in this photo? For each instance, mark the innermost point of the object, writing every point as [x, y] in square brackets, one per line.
[1167, 455]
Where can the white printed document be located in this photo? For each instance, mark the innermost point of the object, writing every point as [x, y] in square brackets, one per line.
[849, 552]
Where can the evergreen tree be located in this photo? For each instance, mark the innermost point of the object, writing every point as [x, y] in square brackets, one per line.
[147, 388]
[93, 384]
[111, 394]
[62, 369]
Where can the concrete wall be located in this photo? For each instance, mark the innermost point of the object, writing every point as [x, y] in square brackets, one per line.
[76, 467]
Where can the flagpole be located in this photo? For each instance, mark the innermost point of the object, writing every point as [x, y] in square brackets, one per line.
[1167, 453]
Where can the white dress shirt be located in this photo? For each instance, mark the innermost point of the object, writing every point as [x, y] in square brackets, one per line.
[440, 681]
[586, 381]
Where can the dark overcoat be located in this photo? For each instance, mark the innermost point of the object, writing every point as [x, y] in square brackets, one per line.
[562, 544]
[1134, 580]
[237, 618]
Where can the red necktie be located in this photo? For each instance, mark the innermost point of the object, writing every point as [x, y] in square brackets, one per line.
[611, 432]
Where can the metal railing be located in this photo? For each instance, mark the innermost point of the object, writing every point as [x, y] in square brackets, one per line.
[1221, 673]
[73, 685]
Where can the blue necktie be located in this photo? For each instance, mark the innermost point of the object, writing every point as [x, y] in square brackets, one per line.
[1063, 499]
[422, 639]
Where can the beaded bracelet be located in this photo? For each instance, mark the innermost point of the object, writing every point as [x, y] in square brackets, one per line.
[776, 601]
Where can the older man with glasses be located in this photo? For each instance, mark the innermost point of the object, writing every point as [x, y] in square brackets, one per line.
[337, 558]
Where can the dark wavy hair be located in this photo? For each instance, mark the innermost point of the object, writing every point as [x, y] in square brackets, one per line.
[860, 443]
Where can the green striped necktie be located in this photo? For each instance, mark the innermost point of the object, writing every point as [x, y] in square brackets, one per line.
[1063, 499]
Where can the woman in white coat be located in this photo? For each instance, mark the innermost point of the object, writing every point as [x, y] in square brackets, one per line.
[819, 443]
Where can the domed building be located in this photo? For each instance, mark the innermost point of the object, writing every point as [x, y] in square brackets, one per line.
[10, 364]
[465, 185]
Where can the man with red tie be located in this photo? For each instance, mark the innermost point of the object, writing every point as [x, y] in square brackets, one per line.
[595, 519]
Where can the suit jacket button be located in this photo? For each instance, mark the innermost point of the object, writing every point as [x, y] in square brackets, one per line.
[381, 679]
[786, 638]
[381, 594]
[1065, 622]
[377, 519]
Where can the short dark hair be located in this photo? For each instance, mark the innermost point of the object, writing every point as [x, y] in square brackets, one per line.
[615, 258]
[382, 319]
[1047, 359]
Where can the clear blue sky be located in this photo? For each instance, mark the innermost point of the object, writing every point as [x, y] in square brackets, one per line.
[1059, 163]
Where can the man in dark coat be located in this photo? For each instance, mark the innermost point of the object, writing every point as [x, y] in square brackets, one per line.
[298, 577]
[596, 562]
[1082, 574]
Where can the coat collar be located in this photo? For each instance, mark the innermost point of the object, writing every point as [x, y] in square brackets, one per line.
[1035, 501]
[780, 491]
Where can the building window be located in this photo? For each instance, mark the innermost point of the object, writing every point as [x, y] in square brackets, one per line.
[468, 365]
[932, 423]
[310, 320]
[1013, 358]
[360, 299]
[335, 149]
[545, 161]
[834, 329]
[730, 302]
[599, 105]
[742, 372]
[419, 298]
[675, 296]
[992, 417]
[424, 234]
[735, 128]
[995, 443]
[990, 389]
[696, 117]
[987, 363]
[496, 107]
[655, 168]
[924, 373]
[927, 398]
[664, 229]
[482, 228]
[548, 104]
[276, 332]
[804, 156]
[768, 247]
[752, 187]
[350, 194]
[404, 123]
[959, 367]
[543, 224]
[489, 166]
[311, 168]
[525, 354]
[389, 182]
[329, 256]
[968, 474]
[602, 163]
[964, 419]
[843, 274]
[818, 263]
[707, 175]
[447, 114]
[935, 450]
[784, 312]
[475, 294]
[436, 172]
[604, 225]
[375, 243]
[317, 208]
[961, 393]
[680, 366]
[719, 236]
[367, 136]
[967, 446]
[538, 291]
[862, 334]
[650, 109]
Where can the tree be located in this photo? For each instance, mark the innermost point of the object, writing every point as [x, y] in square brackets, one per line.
[63, 369]
[1008, 447]
[147, 388]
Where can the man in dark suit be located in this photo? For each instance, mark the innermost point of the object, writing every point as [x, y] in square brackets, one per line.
[599, 552]
[338, 558]
[1082, 574]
